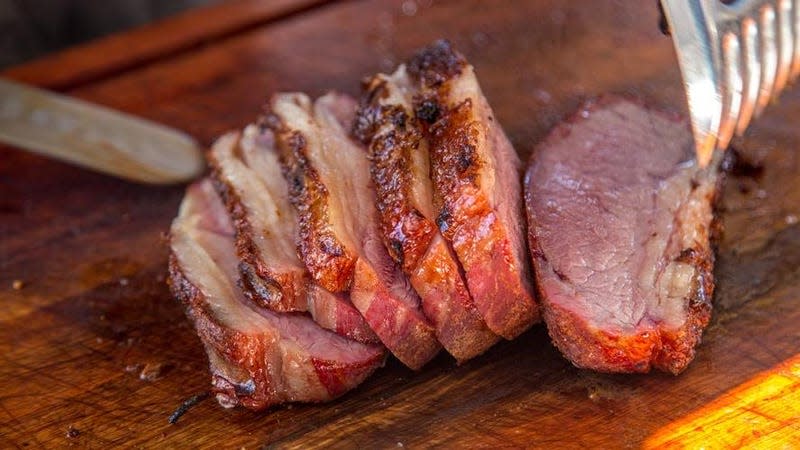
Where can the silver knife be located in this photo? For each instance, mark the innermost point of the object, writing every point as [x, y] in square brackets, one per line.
[96, 137]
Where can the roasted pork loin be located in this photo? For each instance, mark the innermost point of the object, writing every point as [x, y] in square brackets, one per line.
[258, 358]
[620, 216]
[399, 164]
[339, 239]
[477, 187]
[246, 173]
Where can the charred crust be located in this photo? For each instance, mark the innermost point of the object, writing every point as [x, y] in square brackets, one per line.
[263, 292]
[259, 285]
[700, 301]
[246, 388]
[368, 116]
[297, 144]
[435, 64]
[225, 342]
[454, 154]
[465, 157]
[398, 117]
[688, 256]
[331, 246]
[392, 135]
[396, 249]
[443, 219]
[427, 110]
[366, 123]
[328, 261]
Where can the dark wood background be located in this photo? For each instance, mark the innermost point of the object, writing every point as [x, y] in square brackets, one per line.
[95, 353]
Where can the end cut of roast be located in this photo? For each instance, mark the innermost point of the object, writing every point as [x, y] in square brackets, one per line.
[257, 357]
[619, 221]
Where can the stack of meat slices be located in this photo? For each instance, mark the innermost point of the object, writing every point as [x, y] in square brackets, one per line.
[332, 230]
[246, 173]
[258, 357]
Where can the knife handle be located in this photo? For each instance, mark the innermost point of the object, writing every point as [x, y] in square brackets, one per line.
[95, 137]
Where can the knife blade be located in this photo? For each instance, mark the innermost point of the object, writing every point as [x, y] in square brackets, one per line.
[95, 137]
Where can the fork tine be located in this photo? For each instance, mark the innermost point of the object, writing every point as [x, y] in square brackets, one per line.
[785, 45]
[769, 56]
[735, 57]
[752, 73]
[731, 88]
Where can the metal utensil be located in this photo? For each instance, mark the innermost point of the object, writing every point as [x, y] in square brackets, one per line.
[735, 56]
[96, 137]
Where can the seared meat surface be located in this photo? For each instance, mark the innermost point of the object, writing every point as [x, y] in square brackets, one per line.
[326, 241]
[477, 188]
[335, 230]
[247, 174]
[620, 216]
[339, 240]
[399, 165]
[258, 358]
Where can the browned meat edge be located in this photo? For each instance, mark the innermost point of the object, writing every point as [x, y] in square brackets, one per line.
[327, 259]
[477, 185]
[395, 142]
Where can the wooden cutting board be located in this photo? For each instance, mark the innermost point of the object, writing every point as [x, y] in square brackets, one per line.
[95, 353]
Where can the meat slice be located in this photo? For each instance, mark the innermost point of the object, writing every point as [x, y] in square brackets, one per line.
[620, 216]
[258, 358]
[327, 241]
[247, 174]
[399, 164]
[248, 177]
[477, 188]
[339, 241]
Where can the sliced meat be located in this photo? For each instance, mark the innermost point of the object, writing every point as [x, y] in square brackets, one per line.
[258, 358]
[327, 241]
[620, 216]
[248, 177]
[399, 164]
[339, 240]
[247, 174]
[477, 188]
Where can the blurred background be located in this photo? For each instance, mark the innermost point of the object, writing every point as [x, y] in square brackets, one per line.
[32, 28]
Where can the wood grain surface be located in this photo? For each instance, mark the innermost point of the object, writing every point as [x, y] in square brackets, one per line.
[94, 352]
[114, 54]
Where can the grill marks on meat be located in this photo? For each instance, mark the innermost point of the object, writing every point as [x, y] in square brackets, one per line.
[247, 174]
[258, 358]
[477, 189]
[339, 237]
[399, 165]
[620, 217]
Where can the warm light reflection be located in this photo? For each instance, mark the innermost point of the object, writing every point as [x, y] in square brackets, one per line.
[762, 413]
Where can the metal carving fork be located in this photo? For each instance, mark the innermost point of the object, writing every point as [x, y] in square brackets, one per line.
[735, 56]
